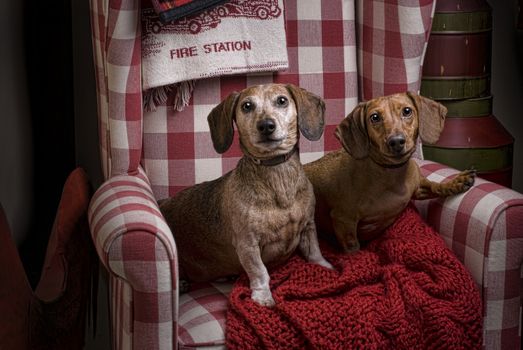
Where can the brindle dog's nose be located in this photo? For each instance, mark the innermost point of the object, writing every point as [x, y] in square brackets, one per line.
[396, 143]
[266, 126]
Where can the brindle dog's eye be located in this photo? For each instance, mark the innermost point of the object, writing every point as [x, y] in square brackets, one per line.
[248, 106]
[375, 118]
[407, 111]
[282, 101]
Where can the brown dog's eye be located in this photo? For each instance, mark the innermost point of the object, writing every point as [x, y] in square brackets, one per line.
[375, 118]
[407, 111]
[248, 106]
[282, 101]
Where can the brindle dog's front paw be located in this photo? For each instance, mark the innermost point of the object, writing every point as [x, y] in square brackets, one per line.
[464, 181]
[263, 297]
[326, 264]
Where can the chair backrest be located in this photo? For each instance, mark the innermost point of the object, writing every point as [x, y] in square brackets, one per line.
[342, 50]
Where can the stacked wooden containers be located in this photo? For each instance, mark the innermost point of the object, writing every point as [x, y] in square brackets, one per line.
[456, 73]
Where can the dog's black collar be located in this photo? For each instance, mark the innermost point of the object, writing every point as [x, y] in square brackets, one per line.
[282, 158]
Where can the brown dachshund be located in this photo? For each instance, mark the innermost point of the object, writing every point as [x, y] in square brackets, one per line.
[261, 211]
[362, 188]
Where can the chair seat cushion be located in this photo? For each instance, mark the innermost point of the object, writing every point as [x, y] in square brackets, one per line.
[202, 314]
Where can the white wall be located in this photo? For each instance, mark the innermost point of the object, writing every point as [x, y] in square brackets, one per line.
[15, 125]
[507, 79]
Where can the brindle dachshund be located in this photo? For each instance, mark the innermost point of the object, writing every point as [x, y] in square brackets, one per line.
[362, 188]
[261, 211]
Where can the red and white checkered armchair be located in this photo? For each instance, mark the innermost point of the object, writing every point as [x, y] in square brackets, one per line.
[147, 156]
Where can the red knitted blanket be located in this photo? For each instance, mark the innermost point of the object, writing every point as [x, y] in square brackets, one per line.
[405, 290]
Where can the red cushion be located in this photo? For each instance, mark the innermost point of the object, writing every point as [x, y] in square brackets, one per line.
[70, 218]
[62, 297]
[15, 292]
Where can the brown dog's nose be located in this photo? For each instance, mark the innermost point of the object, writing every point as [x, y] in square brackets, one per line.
[396, 143]
[266, 126]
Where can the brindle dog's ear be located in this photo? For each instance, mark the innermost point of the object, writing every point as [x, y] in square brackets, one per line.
[431, 117]
[352, 133]
[311, 112]
[220, 122]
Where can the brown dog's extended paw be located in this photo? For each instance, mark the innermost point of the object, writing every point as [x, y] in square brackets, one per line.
[464, 181]
[459, 184]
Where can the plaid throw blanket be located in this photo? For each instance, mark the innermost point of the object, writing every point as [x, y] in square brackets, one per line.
[405, 290]
[170, 10]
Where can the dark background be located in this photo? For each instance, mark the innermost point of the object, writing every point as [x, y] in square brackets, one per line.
[49, 66]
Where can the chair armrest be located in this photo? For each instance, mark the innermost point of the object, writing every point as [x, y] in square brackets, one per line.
[135, 244]
[484, 228]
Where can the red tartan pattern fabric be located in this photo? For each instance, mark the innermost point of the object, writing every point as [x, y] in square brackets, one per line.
[171, 147]
[405, 290]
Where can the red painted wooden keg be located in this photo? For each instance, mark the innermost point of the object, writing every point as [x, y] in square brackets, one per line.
[456, 72]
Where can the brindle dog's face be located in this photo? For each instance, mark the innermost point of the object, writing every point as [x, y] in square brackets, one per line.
[269, 118]
[266, 120]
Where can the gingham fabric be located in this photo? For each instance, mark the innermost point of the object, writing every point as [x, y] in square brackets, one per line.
[137, 247]
[322, 54]
[392, 37]
[116, 40]
[175, 151]
[484, 228]
[322, 59]
[202, 315]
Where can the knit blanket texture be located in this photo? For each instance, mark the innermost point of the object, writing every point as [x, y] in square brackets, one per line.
[404, 290]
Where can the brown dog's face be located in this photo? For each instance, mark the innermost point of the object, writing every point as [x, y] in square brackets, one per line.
[268, 118]
[392, 127]
[386, 128]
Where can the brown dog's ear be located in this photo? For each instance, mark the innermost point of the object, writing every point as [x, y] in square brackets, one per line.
[352, 134]
[311, 112]
[220, 122]
[431, 117]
